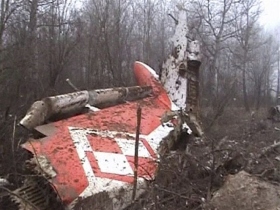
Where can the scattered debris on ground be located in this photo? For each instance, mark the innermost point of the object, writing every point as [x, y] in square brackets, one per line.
[192, 177]
[238, 148]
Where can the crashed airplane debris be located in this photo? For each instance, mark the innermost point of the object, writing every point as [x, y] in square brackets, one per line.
[180, 73]
[48, 107]
[93, 153]
[87, 160]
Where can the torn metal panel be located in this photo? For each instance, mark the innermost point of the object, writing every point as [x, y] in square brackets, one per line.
[194, 55]
[92, 154]
[180, 71]
[194, 61]
[174, 69]
[46, 130]
[180, 74]
[42, 166]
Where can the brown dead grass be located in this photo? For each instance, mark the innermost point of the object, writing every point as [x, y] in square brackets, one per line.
[234, 143]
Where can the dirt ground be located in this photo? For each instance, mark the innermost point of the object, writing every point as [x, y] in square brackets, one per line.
[237, 141]
[187, 178]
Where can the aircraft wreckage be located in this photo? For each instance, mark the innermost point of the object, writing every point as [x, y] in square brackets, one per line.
[102, 158]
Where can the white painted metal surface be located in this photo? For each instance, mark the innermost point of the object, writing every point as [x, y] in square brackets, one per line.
[173, 81]
[110, 162]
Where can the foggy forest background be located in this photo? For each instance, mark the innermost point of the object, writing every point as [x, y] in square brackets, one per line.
[43, 42]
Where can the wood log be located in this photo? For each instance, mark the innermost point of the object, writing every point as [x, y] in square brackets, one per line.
[49, 107]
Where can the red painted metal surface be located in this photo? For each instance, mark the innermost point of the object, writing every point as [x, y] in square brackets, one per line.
[60, 148]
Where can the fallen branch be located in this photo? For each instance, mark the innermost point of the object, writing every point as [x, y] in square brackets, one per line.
[13, 136]
[170, 192]
[268, 149]
[263, 152]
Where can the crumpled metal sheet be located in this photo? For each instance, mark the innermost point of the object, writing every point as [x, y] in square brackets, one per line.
[92, 154]
[36, 194]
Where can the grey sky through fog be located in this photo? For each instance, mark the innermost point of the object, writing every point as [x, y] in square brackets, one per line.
[270, 17]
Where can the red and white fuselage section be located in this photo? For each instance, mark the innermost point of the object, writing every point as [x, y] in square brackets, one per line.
[93, 153]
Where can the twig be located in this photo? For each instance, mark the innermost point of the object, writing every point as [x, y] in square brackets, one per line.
[171, 192]
[19, 143]
[72, 85]
[222, 104]
[13, 143]
[13, 136]
[212, 172]
[218, 151]
[176, 21]
[223, 140]
[199, 163]
[269, 149]
[139, 112]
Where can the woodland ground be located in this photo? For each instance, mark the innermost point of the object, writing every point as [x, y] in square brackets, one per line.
[234, 143]
[185, 180]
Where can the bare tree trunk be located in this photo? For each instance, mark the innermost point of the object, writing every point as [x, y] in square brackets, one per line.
[258, 95]
[245, 96]
[52, 53]
[2, 21]
[278, 76]
[31, 46]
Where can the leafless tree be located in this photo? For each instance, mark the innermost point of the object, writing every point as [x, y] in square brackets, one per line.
[246, 24]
